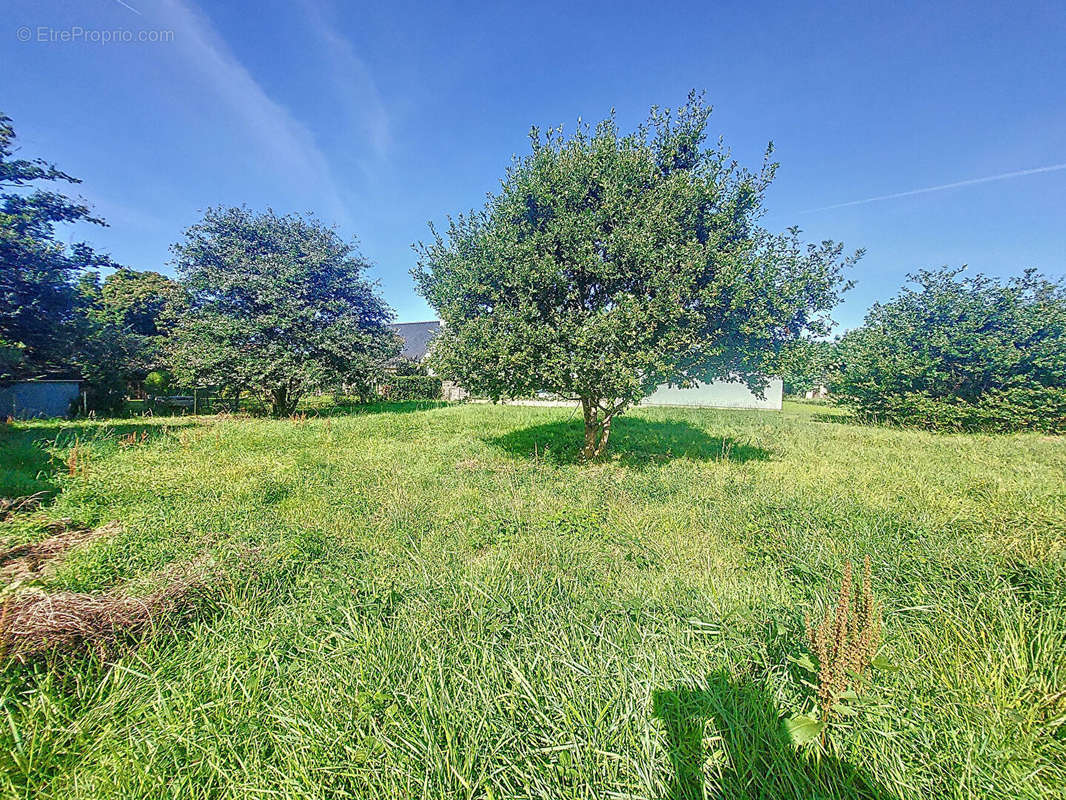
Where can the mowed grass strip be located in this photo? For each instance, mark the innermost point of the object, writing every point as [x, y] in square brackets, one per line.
[442, 602]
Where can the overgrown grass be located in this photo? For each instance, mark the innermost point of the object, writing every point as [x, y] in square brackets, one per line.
[444, 604]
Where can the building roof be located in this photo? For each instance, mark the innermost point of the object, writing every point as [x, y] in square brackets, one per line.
[416, 337]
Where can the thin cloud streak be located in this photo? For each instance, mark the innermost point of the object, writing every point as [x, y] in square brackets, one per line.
[353, 80]
[942, 187]
[291, 146]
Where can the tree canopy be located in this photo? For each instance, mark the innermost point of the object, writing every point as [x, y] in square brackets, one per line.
[41, 321]
[807, 364]
[279, 306]
[957, 352]
[610, 263]
[141, 308]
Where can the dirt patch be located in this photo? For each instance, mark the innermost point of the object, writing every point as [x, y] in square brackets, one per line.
[9, 506]
[27, 561]
[34, 623]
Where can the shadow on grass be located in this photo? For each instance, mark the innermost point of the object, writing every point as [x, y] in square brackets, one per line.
[28, 465]
[354, 409]
[734, 729]
[634, 441]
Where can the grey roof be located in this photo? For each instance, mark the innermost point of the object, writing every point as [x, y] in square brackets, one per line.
[416, 337]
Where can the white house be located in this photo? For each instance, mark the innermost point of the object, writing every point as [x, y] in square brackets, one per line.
[417, 337]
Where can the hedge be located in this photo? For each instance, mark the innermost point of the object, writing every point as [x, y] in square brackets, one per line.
[412, 387]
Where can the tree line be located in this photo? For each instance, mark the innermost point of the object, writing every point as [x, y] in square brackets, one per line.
[265, 304]
[608, 263]
[950, 352]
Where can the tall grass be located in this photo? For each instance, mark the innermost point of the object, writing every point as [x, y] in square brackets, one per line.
[445, 604]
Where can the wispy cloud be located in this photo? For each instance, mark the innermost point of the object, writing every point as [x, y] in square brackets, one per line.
[352, 79]
[289, 145]
[972, 181]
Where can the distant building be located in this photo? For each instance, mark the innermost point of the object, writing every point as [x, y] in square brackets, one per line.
[417, 338]
[718, 394]
[35, 399]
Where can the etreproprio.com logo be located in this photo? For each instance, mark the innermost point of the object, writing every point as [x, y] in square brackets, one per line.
[44, 34]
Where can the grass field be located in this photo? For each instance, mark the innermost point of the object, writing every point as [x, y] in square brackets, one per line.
[440, 602]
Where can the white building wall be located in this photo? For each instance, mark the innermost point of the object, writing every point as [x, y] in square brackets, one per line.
[719, 394]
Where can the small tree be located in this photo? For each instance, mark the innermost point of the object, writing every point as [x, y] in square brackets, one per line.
[278, 305]
[137, 310]
[962, 354]
[609, 264]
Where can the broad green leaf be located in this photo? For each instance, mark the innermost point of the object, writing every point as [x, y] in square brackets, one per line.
[804, 661]
[802, 729]
[884, 665]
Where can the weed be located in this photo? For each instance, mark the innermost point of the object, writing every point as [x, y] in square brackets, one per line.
[846, 641]
[133, 438]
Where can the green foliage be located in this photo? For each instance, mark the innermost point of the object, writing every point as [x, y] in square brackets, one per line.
[104, 354]
[158, 382]
[278, 306]
[408, 366]
[960, 353]
[806, 364]
[802, 729]
[147, 303]
[144, 306]
[11, 360]
[609, 264]
[399, 388]
[41, 318]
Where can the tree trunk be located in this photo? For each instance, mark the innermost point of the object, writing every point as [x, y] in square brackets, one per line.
[279, 401]
[597, 429]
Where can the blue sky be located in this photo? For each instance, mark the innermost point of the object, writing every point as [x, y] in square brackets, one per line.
[382, 116]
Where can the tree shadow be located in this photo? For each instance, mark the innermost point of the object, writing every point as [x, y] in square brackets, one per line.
[28, 464]
[634, 441]
[343, 409]
[726, 740]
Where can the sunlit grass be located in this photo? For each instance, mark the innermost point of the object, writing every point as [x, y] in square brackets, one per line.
[442, 602]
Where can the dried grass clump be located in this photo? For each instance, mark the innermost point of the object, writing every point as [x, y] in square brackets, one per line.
[846, 641]
[34, 623]
[29, 560]
[132, 439]
[9, 506]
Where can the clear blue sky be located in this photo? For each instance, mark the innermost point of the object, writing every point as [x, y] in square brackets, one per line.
[381, 116]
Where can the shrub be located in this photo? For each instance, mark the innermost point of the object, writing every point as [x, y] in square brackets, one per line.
[962, 354]
[413, 387]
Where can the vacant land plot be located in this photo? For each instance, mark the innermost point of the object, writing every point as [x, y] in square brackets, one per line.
[413, 602]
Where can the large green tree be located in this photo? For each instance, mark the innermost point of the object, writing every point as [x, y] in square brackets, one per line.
[42, 323]
[956, 352]
[143, 306]
[279, 306]
[609, 264]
